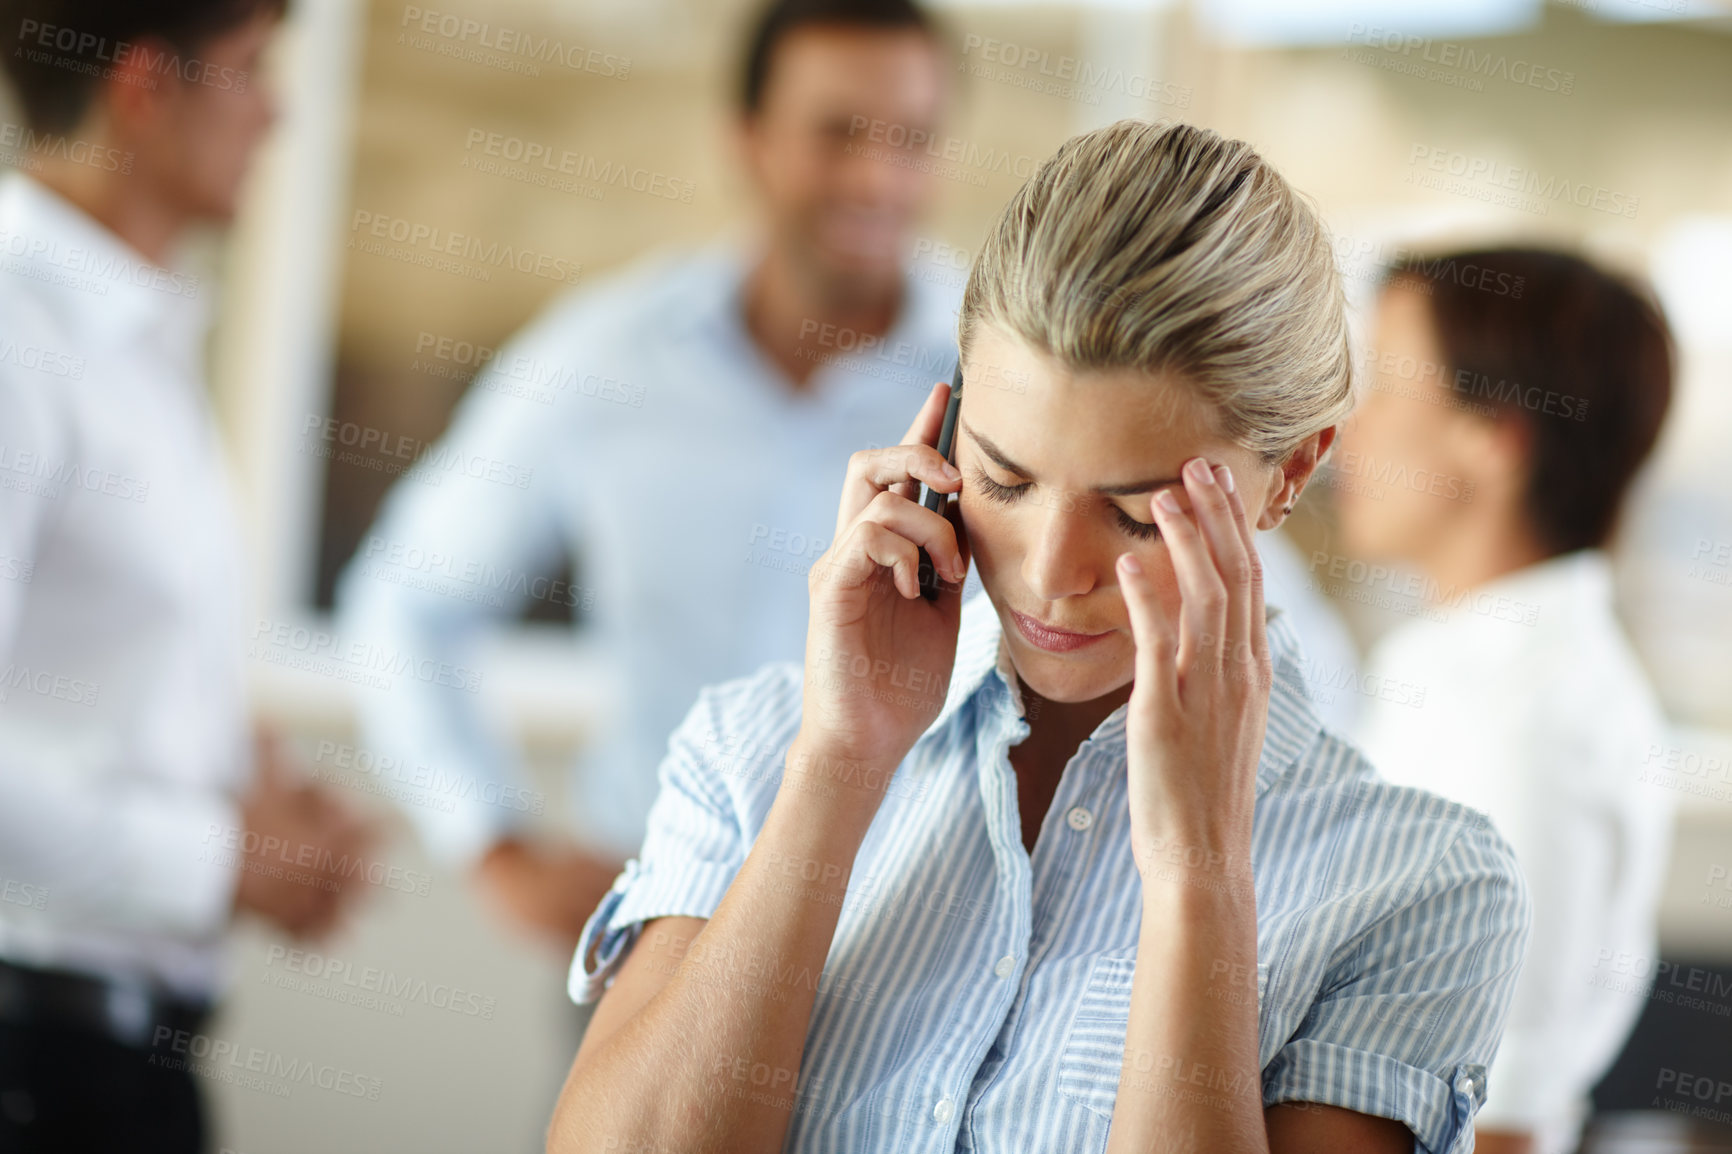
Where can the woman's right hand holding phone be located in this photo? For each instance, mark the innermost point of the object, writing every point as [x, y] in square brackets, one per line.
[878, 654]
[878, 661]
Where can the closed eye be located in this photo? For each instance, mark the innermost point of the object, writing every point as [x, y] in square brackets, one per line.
[1142, 530]
[993, 491]
[1010, 494]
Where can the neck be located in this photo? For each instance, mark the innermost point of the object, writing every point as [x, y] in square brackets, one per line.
[1470, 559]
[123, 203]
[785, 299]
[1058, 727]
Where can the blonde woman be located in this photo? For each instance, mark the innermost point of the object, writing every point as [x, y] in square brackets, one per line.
[1073, 867]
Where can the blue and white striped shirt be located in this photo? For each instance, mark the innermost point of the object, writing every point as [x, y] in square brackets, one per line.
[976, 996]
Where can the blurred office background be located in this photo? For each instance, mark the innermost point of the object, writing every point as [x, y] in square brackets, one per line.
[1374, 109]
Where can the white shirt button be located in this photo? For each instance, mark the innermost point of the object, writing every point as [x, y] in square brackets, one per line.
[1006, 966]
[943, 1111]
[1080, 818]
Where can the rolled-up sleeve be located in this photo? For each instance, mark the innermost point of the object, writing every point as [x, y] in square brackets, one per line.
[721, 770]
[1409, 1019]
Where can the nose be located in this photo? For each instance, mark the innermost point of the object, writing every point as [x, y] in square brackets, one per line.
[870, 181]
[1059, 562]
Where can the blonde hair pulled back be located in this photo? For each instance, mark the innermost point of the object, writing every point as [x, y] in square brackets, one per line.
[1170, 249]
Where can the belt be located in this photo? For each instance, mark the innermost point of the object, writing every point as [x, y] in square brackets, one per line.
[131, 1013]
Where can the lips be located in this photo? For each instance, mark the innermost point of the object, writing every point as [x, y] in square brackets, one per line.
[1053, 640]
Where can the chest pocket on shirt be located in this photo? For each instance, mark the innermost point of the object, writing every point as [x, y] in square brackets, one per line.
[1093, 1053]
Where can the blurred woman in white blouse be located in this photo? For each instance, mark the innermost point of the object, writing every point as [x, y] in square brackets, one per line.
[1514, 396]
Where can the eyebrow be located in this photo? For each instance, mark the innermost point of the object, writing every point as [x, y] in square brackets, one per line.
[1128, 489]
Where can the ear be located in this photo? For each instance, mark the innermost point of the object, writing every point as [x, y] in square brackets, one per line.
[1295, 474]
[1499, 449]
[134, 96]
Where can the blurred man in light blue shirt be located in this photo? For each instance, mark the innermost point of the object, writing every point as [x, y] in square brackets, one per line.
[680, 429]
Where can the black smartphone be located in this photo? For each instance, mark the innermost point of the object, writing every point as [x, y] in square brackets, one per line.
[930, 497]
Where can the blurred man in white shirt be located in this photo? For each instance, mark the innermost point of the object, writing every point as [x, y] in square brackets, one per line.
[1514, 395]
[701, 407]
[130, 804]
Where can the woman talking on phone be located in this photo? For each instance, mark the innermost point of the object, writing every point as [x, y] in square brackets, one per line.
[1073, 867]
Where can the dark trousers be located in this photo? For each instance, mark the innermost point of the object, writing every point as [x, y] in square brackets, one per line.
[69, 1090]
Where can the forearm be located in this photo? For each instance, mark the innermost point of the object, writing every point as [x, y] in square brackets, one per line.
[1190, 1079]
[430, 747]
[413, 588]
[1502, 1141]
[739, 997]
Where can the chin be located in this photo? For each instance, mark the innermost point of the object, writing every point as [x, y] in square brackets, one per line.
[872, 263]
[217, 208]
[1360, 535]
[871, 273]
[1372, 543]
[1070, 678]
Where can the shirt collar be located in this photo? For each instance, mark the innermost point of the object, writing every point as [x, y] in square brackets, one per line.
[983, 659]
[68, 247]
[1584, 572]
[1559, 593]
